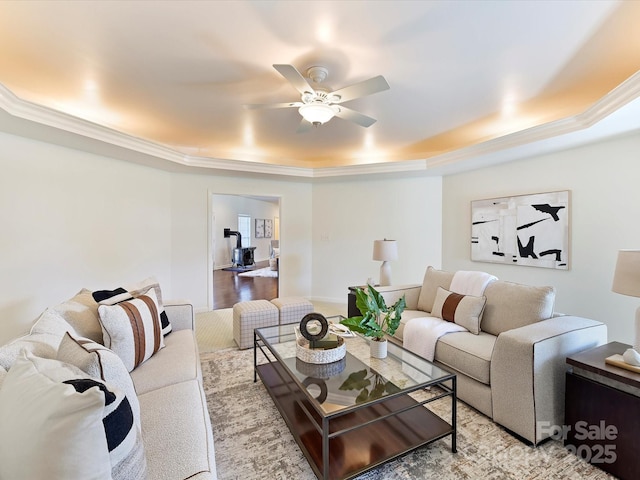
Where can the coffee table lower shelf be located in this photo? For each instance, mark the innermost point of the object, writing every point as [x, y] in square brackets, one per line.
[358, 450]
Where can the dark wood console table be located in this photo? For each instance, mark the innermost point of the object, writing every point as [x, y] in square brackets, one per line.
[602, 407]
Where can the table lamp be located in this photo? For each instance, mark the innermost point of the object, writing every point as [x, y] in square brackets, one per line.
[626, 281]
[385, 251]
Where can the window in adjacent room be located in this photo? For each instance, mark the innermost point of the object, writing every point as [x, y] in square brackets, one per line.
[244, 227]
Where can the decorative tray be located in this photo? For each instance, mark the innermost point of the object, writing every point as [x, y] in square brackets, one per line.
[318, 355]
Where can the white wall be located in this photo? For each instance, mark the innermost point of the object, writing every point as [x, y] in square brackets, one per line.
[605, 213]
[190, 195]
[349, 214]
[226, 209]
[71, 220]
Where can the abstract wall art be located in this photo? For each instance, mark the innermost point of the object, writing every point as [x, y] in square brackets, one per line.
[529, 230]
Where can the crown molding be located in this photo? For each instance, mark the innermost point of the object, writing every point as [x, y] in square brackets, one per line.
[620, 96]
[38, 114]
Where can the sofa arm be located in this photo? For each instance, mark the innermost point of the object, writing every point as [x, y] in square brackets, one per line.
[393, 293]
[528, 368]
[180, 314]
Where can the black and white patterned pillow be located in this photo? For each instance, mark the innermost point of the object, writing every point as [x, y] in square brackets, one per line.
[99, 362]
[94, 434]
[121, 294]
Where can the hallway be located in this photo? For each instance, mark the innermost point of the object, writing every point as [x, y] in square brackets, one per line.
[229, 288]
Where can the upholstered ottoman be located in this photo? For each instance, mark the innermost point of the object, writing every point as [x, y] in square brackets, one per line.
[250, 315]
[292, 309]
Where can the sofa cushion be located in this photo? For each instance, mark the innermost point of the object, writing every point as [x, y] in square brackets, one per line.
[98, 361]
[177, 433]
[81, 312]
[132, 329]
[467, 353]
[512, 305]
[432, 280]
[465, 310]
[176, 363]
[71, 425]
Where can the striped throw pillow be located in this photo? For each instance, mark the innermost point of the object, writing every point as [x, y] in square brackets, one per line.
[464, 310]
[132, 329]
[112, 297]
[141, 288]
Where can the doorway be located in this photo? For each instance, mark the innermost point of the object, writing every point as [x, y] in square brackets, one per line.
[227, 284]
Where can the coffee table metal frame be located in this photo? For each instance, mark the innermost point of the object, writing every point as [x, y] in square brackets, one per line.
[390, 426]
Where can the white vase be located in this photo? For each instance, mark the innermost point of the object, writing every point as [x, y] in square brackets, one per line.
[378, 349]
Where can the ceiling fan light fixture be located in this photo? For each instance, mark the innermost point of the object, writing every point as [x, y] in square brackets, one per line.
[316, 113]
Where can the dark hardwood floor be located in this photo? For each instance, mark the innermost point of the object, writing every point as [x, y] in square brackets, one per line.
[229, 288]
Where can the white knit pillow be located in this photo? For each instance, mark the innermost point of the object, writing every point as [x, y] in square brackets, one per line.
[132, 329]
[58, 423]
[98, 361]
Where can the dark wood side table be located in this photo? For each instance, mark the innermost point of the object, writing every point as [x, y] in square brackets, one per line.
[602, 411]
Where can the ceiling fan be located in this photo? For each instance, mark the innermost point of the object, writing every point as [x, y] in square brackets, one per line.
[318, 105]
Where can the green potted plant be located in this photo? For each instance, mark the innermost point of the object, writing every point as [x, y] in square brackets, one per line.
[376, 320]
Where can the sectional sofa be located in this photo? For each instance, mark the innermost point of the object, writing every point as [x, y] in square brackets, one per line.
[161, 427]
[509, 355]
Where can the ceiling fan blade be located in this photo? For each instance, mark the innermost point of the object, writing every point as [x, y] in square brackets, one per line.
[295, 78]
[361, 89]
[304, 126]
[353, 116]
[256, 106]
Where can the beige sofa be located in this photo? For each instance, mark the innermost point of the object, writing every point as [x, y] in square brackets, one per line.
[513, 369]
[175, 426]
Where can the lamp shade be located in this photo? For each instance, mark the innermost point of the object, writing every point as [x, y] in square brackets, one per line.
[385, 250]
[626, 279]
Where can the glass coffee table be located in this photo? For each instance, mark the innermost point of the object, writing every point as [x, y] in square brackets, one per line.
[352, 415]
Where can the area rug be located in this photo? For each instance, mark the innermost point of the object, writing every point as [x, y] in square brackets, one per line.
[238, 269]
[261, 272]
[252, 440]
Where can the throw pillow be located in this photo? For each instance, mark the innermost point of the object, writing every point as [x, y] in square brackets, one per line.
[432, 280]
[98, 361]
[39, 344]
[132, 329]
[465, 310]
[112, 297]
[81, 312]
[141, 288]
[57, 423]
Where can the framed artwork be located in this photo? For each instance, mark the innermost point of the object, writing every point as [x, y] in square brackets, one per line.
[268, 228]
[529, 230]
[259, 230]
